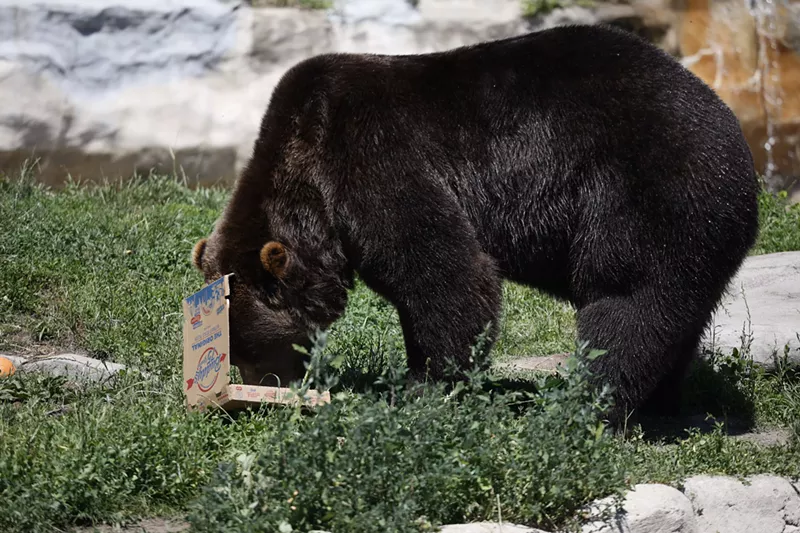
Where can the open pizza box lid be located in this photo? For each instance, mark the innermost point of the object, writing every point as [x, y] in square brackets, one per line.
[207, 362]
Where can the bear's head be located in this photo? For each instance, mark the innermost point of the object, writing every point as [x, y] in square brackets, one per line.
[279, 296]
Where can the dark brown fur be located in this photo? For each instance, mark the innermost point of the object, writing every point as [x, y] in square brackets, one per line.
[579, 160]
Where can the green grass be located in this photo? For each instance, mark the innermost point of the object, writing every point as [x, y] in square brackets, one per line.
[780, 225]
[405, 459]
[103, 270]
[536, 8]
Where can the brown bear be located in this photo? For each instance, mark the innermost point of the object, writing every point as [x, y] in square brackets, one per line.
[580, 160]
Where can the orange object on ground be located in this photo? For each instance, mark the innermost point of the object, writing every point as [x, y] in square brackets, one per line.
[7, 368]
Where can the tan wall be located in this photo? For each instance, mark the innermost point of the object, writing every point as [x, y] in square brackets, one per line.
[753, 63]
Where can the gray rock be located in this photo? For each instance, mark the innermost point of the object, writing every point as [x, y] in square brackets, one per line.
[775, 436]
[763, 303]
[470, 9]
[15, 359]
[281, 37]
[91, 47]
[109, 88]
[147, 525]
[487, 527]
[544, 363]
[648, 508]
[769, 504]
[78, 368]
[389, 12]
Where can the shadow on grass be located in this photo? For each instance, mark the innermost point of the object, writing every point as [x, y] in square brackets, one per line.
[718, 390]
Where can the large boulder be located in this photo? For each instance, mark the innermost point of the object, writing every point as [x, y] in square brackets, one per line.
[647, 508]
[760, 312]
[767, 504]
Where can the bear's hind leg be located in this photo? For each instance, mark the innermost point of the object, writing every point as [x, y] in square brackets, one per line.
[647, 349]
[666, 399]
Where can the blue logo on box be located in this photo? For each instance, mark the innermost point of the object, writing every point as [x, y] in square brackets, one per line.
[205, 300]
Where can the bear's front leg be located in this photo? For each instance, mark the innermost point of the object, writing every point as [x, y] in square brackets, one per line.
[443, 318]
[418, 250]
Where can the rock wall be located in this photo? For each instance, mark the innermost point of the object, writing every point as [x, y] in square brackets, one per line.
[101, 89]
[749, 52]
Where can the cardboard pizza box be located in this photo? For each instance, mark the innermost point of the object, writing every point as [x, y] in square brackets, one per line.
[206, 357]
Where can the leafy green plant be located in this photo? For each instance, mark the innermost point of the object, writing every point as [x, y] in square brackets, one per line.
[103, 454]
[711, 453]
[533, 8]
[414, 456]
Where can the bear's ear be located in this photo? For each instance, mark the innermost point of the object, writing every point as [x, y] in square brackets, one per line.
[197, 254]
[275, 259]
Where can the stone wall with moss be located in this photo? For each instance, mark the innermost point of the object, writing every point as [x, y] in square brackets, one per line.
[104, 88]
